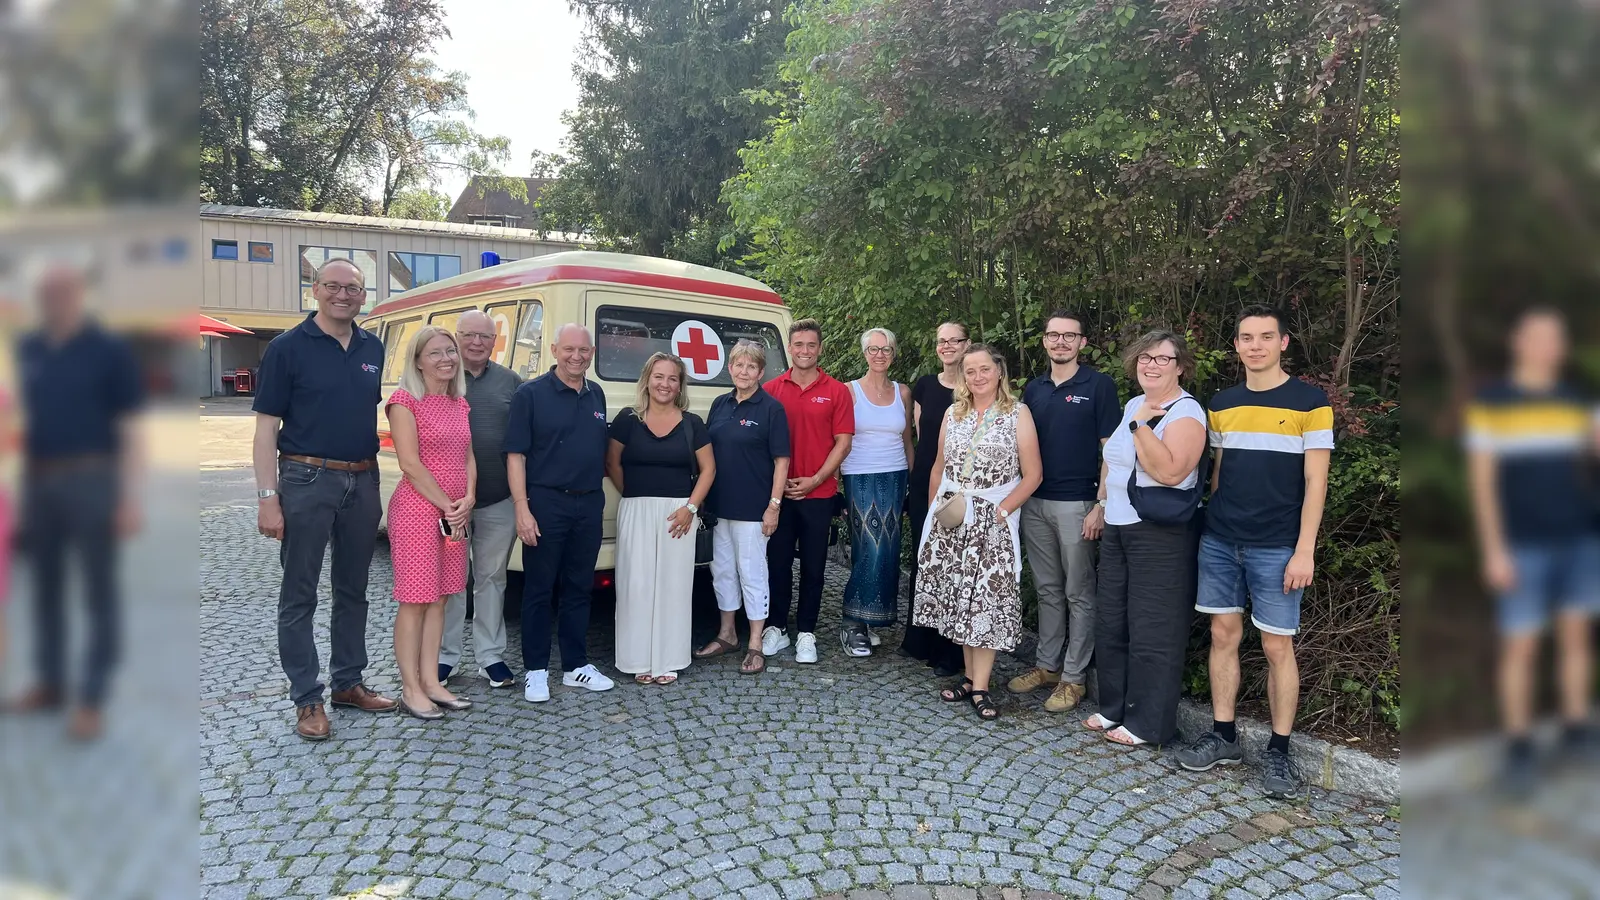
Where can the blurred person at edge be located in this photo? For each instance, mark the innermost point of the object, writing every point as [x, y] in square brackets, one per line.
[428, 417]
[490, 387]
[80, 392]
[316, 465]
[1527, 438]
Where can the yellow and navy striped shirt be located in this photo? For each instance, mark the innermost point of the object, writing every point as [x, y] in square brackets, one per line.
[1540, 444]
[1265, 436]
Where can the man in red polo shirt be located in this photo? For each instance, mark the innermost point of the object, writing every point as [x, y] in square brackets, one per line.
[822, 421]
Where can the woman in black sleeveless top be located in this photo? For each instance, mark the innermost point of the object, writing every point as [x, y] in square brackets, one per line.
[930, 397]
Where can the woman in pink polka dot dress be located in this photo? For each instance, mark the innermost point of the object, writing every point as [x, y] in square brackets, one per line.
[428, 423]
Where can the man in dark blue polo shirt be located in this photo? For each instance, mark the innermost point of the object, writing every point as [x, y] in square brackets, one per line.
[1075, 409]
[316, 461]
[80, 389]
[556, 445]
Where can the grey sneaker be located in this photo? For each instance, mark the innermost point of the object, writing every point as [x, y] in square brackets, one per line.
[1210, 750]
[1280, 777]
[853, 637]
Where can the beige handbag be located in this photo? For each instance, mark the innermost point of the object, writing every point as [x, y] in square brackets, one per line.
[952, 510]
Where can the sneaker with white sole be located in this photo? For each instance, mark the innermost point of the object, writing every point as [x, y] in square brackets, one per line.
[872, 636]
[588, 678]
[537, 687]
[773, 641]
[853, 638]
[805, 647]
[499, 675]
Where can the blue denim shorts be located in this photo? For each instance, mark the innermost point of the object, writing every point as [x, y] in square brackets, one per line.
[1564, 576]
[1234, 575]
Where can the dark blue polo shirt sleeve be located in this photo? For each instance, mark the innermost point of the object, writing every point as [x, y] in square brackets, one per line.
[273, 384]
[1107, 406]
[778, 433]
[519, 424]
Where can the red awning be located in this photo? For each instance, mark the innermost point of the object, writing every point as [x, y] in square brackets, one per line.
[216, 327]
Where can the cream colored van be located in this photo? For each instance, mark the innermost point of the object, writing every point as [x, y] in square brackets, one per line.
[634, 306]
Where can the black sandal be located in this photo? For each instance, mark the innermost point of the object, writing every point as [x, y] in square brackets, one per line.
[957, 693]
[986, 708]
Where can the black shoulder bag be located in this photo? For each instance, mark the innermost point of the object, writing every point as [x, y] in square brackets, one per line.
[1161, 504]
[702, 535]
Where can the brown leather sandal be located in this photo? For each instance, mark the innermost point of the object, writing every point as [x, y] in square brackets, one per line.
[746, 669]
[722, 647]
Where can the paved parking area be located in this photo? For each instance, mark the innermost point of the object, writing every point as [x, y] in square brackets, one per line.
[848, 778]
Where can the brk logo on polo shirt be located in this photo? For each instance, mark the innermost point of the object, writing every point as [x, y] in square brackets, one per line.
[748, 423]
[821, 399]
[1074, 398]
[599, 415]
[369, 368]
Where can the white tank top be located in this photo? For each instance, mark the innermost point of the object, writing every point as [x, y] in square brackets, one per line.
[879, 444]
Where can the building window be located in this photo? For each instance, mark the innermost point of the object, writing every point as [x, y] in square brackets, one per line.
[411, 270]
[225, 250]
[311, 258]
[260, 251]
[495, 222]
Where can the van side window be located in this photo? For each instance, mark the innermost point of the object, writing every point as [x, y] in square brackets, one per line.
[627, 337]
[396, 338]
[527, 351]
[447, 320]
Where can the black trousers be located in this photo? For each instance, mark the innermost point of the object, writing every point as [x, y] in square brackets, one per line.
[1143, 611]
[803, 523]
[570, 528]
[921, 642]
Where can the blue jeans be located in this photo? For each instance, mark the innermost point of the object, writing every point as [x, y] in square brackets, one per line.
[1564, 576]
[569, 544]
[1232, 575]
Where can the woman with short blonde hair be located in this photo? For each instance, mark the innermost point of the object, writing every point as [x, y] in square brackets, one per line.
[656, 446]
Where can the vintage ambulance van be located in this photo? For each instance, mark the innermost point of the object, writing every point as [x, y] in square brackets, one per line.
[634, 306]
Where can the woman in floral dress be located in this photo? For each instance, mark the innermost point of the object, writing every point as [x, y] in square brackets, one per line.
[968, 576]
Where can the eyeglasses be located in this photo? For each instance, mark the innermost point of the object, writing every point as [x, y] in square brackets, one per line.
[436, 355]
[950, 342]
[476, 336]
[1161, 362]
[1056, 337]
[354, 290]
[880, 351]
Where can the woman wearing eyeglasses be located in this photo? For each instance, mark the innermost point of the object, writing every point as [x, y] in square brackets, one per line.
[1147, 570]
[930, 397]
[875, 476]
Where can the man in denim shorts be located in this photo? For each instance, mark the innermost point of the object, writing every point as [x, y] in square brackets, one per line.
[1272, 438]
[1528, 443]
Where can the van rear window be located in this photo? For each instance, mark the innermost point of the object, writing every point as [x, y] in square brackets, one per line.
[626, 337]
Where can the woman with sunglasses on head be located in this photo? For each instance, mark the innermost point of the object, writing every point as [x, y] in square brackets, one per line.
[930, 397]
[1147, 572]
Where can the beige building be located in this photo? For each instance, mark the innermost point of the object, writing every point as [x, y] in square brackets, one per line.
[257, 266]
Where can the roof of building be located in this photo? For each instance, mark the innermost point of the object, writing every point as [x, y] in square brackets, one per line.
[413, 226]
[498, 202]
[586, 265]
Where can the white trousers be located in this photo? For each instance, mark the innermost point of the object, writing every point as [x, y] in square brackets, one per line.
[739, 567]
[494, 530]
[655, 587]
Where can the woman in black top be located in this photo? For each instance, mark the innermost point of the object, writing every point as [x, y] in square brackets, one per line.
[930, 397]
[654, 447]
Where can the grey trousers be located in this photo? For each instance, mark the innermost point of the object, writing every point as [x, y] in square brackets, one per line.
[1064, 576]
[494, 530]
[323, 506]
[73, 511]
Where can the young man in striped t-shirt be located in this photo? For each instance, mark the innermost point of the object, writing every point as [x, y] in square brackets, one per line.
[1271, 438]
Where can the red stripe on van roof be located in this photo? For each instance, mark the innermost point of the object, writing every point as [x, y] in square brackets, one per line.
[411, 300]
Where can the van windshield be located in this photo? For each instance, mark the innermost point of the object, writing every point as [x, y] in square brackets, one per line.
[627, 336]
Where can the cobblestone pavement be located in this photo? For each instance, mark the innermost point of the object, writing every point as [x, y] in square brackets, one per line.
[848, 778]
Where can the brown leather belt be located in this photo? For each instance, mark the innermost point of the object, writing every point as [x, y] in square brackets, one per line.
[337, 465]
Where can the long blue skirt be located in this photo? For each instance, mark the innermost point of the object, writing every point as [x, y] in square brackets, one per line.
[873, 507]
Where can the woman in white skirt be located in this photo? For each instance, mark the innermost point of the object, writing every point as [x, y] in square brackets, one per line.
[655, 448]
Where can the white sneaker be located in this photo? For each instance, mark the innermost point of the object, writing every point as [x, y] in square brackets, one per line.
[588, 677]
[773, 640]
[805, 647]
[537, 688]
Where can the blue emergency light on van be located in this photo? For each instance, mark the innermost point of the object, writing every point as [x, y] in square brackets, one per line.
[490, 258]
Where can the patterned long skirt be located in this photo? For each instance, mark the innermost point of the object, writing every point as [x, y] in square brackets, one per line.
[873, 505]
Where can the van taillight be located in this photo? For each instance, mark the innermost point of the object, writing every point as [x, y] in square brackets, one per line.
[385, 442]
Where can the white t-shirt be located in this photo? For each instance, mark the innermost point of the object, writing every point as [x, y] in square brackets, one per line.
[1121, 458]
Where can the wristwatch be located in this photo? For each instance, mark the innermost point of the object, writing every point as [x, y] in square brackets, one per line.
[693, 510]
[1004, 513]
[775, 503]
[1134, 426]
[265, 493]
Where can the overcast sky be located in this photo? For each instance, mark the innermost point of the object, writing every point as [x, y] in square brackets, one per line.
[518, 57]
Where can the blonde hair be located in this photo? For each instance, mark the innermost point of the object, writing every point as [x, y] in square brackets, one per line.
[753, 349]
[641, 400]
[1004, 400]
[411, 380]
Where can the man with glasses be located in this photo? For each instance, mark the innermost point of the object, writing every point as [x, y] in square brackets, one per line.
[1273, 439]
[490, 387]
[316, 466]
[1076, 410]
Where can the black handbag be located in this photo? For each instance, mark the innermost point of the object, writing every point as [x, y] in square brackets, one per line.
[1160, 504]
[702, 535]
